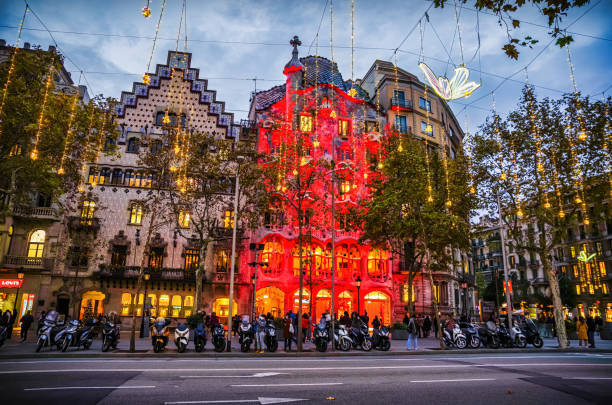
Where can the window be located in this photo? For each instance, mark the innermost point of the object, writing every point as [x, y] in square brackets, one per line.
[164, 302]
[183, 219]
[573, 252]
[377, 264]
[188, 305]
[400, 124]
[43, 200]
[424, 104]
[128, 179]
[15, 150]
[348, 262]
[117, 177]
[222, 261]
[343, 154]
[153, 301]
[36, 244]
[176, 305]
[136, 214]
[273, 255]
[159, 119]
[87, 211]
[126, 300]
[228, 219]
[345, 187]
[104, 175]
[156, 146]
[192, 259]
[371, 126]
[132, 145]
[156, 258]
[305, 123]
[399, 97]
[426, 128]
[93, 175]
[119, 255]
[78, 256]
[343, 128]
[451, 132]
[109, 145]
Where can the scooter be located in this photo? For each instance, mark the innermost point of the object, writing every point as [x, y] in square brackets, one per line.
[110, 336]
[270, 338]
[245, 333]
[47, 333]
[471, 334]
[181, 337]
[518, 338]
[218, 338]
[456, 339]
[160, 333]
[361, 337]
[380, 339]
[2, 335]
[321, 337]
[77, 334]
[532, 334]
[342, 339]
[199, 337]
[488, 336]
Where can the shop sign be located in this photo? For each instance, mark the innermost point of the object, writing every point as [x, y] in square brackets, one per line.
[10, 283]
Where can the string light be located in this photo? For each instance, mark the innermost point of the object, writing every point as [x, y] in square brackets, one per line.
[607, 132]
[34, 153]
[503, 175]
[468, 144]
[582, 135]
[146, 78]
[146, 10]
[75, 100]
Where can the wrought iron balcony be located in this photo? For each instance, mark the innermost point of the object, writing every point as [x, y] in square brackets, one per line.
[36, 212]
[25, 262]
[156, 273]
[84, 224]
[401, 103]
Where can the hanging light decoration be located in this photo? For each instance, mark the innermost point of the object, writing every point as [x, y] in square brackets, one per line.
[68, 139]
[146, 78]
[34, 153]
[146, 10]
[582, 135]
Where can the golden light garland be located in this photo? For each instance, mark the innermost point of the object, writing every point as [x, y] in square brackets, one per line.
[428, 168]
[315, 142]
[68, 139]
[514, 168]
[146, 10]
[34, 153]
[577, 176]
[12, 65]
[607, 132]
[503, 176]
[81, 188]
[146, 78]
[556, 186]
[468, 145]
[582, 135]
[100, 142]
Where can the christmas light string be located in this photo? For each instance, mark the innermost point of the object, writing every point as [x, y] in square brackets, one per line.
[428, 168]
[497, 133]
[557, 187]
[146, 10]
[81, 188]
[514, 168]
[468, 145]
[582, 135]
[12, 65]
[576, 173]
[146, 78]
[606, 139]
[459, 32]
[34, 153]
[68, 139]
[100, 141]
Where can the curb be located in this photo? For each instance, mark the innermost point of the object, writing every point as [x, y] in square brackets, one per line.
[306, 354]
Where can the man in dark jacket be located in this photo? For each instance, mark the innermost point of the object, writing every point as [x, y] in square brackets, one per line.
[426, 326]
[8, 320]
[26, 321]
[591, 331]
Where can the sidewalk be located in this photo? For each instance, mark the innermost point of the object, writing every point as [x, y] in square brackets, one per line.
[14, 348]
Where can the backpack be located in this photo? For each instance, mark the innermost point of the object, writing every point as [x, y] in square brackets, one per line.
[411, 327]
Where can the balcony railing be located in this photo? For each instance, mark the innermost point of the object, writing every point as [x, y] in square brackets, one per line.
[401, 103]
[83, 224]
[36, 212]
[41, 263]
[161, 273]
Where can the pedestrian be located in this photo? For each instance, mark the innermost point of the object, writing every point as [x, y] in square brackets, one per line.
[436, 325]
[345, 320]
[235, 323]
[288, 331]
[427, 325]
[213, 322]
[376, 322]
[305, 327]
[420, 325]
[412, 341]
[598, 324]
[366, 319]
[26, 321]
[581, 329]
[591, 331]
[7, 320]
[261, 333]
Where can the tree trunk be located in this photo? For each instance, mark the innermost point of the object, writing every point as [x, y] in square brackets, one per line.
[299, 314]
[200, 271]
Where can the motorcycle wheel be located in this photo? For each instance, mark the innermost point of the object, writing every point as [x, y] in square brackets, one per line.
[538, 342]
[385, 346]
[157, 348]
[39, 345]
[322, 346]
[199, 346]
[181, 348]
[461, 343]
[345, 345]
[273, 346]
[86, 345]
[521, 342]
[494, 344]
[105, 346]
[366, 345]
[65, 345]
[220, 346]
[244, 348]
[475, 342]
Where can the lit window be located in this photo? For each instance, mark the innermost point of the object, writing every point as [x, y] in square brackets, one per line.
[89, 207]
[192, 259]
[577, 289]
[426, 128]
[188, 305]
[424, 104]
[176, 305]
[306, 123]
[602, 269]
[228, 219]
[183, 219]
[93, 175]
[377, 264]
[128, 179]
[153, 301]
[343, 128]
[156, 257]
[345, 187]
[222, 261]
[15, 150]
[164, 302]
[573, 252]
[273, 255]
[126, 300]
[37, 244]
[136, 214]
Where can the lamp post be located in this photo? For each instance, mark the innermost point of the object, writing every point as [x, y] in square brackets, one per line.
[20, 277]
[257, 248]
[144, 324]
[504, 261]
[358, 282]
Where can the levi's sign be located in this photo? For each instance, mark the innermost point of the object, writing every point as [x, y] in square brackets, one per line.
[10, 283]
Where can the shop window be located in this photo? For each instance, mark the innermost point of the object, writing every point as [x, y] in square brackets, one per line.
[377, 264]
[228, 219]
[15, 150]
[183, 219]
[273, 254]
[343, 128]
[305, 300]
[153, 303]
[176, 305]
[378, 303]
[92, 304]
[192, 259]
[87, 212]
[138, 304]
[126, 299]
[220, 307]
[164, 302]
[136, 214]
[119, 255]
[36, 244]
[306, 123]
[270, 300]
[222, 261]
[188, 305]
[345, 303]
[156, 258]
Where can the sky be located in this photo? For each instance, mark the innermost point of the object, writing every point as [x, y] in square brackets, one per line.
[234, 41]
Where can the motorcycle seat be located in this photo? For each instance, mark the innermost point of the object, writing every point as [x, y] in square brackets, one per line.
[182, 327]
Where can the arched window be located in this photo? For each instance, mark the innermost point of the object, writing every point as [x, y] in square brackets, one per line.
[148, 182]
[153, 302]
[128, 179]
[305, 300]
[36, 244]
[164, 302]
[126, 299]
[138, 180]
[348, 262]
[136, 214]
[176, 305]
[306, 259]
[117, 177]
[93, 175]
[377, 264]
[87, 211]
[132, 145]
[104, 175]
[188, 305]
[273, 255]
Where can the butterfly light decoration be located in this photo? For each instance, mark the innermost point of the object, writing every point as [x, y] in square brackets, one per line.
[455, 88]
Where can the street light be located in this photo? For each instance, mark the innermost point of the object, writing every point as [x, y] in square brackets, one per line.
[20, 277]
[144, 325]
[358, 282]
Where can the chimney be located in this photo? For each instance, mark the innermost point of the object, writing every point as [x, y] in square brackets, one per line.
[26, 45]
[51, 48]
[2, 42]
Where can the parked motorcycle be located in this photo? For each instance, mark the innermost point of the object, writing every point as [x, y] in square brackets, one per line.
[77, 334]
[321, 336]
[245, 334]
[52, 325]
[518, 338]
[504, 336]
[380, 339]
[181, 337]
[110, 336]
[488, 335]
[218, 338]
[361, 337]
[532, 335]
[342, 340]
[199, 337]
[454, 338]
[270, 338]
[471, 334]
[2, 335]
[160, 333]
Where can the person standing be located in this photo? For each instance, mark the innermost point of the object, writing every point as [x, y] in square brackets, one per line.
[305, 327]
[366, 319]
[436, 326]
[7, 320]
[376, 322]
[412, 341]
[591, 331]
[25, 321]
[420, 325]
[581, 329]
[288, 331]
[261, 333]
[426, 326]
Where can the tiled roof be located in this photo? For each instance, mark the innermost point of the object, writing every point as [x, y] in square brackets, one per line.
[266, 98]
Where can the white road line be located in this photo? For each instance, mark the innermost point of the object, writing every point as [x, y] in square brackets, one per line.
[261, 400]
[90, 388]
[286, 385]
[587, 378]
[299, 369]
[457, 380]
[256, 375]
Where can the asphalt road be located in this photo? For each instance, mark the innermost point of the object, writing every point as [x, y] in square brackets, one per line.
[492, 379]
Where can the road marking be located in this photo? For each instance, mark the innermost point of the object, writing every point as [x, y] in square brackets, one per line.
[457, 380]
[256, 375]
[293, 369]
[587, 378]
[261, 400]
[286, 385]
[90, 388]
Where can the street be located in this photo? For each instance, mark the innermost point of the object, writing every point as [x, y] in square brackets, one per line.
[528, 378]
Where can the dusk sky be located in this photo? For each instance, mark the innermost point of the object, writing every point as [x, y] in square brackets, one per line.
[235, 41]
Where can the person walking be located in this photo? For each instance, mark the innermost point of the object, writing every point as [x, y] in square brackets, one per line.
[581, 329]
[7, 320]
[436, 326]
[288, 331]
[305, 327]
[426, 325]
[25, 321]
[214, 321]
[261, 333]
[591, 331]
[235, 323]
[420, 325]
[412, 341]
[345, 320]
